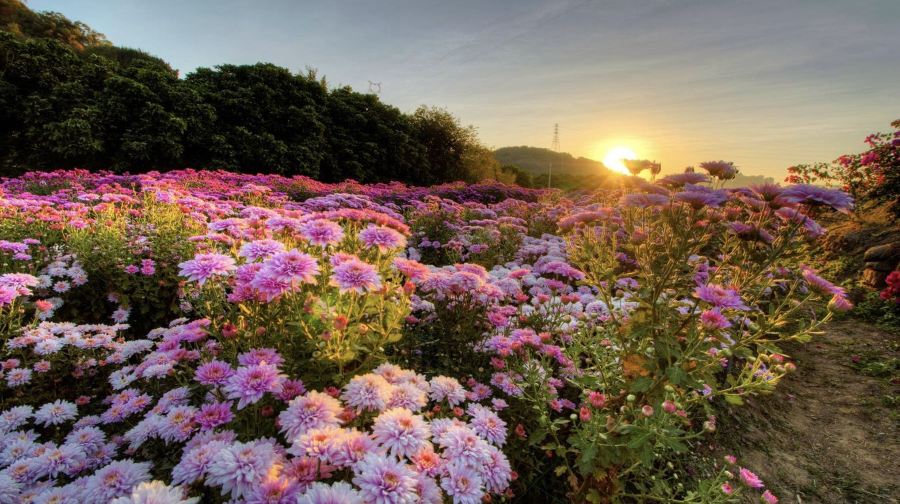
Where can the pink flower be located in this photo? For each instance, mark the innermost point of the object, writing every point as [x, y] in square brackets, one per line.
[769, 497]
[750, 479]
[355, 275]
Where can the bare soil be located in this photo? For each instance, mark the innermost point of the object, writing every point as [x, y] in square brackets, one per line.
[829, 433]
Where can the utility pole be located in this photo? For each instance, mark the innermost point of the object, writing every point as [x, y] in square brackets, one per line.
[555, 148]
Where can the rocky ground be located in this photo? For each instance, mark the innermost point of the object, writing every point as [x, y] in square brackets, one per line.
[829, 433]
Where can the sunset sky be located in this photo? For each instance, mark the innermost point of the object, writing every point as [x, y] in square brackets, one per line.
[764, 83]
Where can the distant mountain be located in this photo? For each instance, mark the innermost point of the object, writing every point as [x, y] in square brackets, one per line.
[741, 180]
[535, 160]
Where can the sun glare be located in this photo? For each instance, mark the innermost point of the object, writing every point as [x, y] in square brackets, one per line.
[613, 159]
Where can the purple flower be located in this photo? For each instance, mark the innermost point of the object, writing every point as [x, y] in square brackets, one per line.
[384, 480]
[114, 480]
[259, 356]
[723, 170]
[204, 266]
[448, 389]
[680, 179]
[212, 415]
[720, 297]
[643, 200]
[463, 484]
[240, 467]
[293, 267]
[401, 432]
[309, 411]
[355, 275]
[367, 392]
[713, 319]
[55, 413]
[213, 373]
[261, 249]
[250, 383]
[155, 492]
[487, 424]
[322, 232]
[817, 196]
[195, 461]
[336, 493]
[382, 237]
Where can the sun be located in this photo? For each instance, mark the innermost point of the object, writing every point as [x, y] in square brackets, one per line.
[613, 159]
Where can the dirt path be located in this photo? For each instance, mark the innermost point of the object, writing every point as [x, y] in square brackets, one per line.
[829, 433]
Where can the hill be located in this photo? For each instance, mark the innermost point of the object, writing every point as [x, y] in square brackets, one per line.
[535, 160]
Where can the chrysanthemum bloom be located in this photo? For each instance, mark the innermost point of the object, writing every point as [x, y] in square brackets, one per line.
[355, 275]
[309, 411]
[55, 413]
[368, 392]
[195, 462]
[407, 395]
[275, 489]
[460, 443]
[680, 179]
[643, 200]
[9, 489]
[240, 467]
[723, 170]
[384, 480]
[8, 295]
[260, 249]
[320, 443]
[205, 266]
[148, 267]
[413, 270]
[487, 424]
[114, 480]
[213, 373]
[259, 356]
[428, 462]
[701, 196]
[382, 237]
[337, 493]
[20, 282]
[497, 472]
[817, 196]
[250, 383]
[351, 447]
[444, 388]
[400, 431]
[750, 479]
[840, 304]
[212, 415]
[155, 492]
[463, 484]
[322, 232]
[292, 266]
[769, 497]
[720, 297]
[713, 319]
[65, 459]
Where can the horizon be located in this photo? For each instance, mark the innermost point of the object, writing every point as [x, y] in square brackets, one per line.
[766, 86]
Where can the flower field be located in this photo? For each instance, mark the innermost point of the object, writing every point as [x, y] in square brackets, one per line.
[212, 337]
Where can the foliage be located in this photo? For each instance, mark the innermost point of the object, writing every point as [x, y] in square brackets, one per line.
[873, 175]
[69, 99]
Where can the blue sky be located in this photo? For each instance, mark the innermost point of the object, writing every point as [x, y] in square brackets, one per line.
[764, 83]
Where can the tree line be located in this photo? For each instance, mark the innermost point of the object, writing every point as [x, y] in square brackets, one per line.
[69, 98]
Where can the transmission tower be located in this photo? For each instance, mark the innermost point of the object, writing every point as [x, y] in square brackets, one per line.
[555, 148]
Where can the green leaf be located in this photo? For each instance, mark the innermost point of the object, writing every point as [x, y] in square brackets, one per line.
[733, 399]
